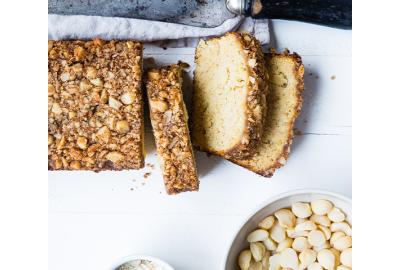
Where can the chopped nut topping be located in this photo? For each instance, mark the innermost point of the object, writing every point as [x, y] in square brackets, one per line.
[104, 134]
[168, 117]
[51, 90]
[128, 98]
[50, 139]
[183, 64]
[252, 80]
[97, 82]
[82, 142]
[99, 41]
[104, 97]
[79, 53]
[122, 126]
[85, 86]
[114, 103]
[95, 105]
[56, 108]
[115, 156]
[91, 73]
[158, 105]
[251, 62]
[76, 165]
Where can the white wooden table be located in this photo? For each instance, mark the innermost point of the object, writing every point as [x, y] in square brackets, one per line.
[97, 218]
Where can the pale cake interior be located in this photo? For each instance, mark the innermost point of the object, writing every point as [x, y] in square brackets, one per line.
[221, 89]
[282, 106]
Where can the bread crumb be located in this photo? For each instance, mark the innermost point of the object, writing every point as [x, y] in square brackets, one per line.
[150, 59]
[286, 52]
[299, 133]
[272, 50]
[133, 180]
[333, 77]
[310, 74]
[146, 175]
[148, 164]
[131, 188]
[152, 167]
[143, 184]
[183, 64]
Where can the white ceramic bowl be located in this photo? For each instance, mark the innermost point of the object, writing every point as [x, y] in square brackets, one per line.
[121, 261]
[269, 207]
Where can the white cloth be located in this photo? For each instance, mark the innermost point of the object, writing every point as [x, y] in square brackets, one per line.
[62, 27]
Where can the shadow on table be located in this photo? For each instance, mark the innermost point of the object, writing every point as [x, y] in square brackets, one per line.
[206, 165]
[311, 97]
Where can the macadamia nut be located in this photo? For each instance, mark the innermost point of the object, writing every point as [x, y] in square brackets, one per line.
[301, 210]
[321, 207]
[244, 259]
[257, 235]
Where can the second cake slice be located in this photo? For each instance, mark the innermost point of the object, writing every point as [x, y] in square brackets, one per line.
[169, 120]
[284, 101]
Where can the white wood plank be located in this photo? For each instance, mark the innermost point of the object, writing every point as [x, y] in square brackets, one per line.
[309, 39]
[316, 161]
[93, 241]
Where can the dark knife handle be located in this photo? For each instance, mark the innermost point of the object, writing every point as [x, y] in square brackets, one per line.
[332, 13]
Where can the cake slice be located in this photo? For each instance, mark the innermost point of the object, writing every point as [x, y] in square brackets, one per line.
[169, 120]
[95, 105]
[284, 101]
[229, 96]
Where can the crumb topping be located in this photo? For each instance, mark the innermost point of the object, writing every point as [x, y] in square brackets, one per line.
[95, 105]
[169, 121]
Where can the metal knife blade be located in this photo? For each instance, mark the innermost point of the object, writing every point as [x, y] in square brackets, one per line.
[201, 13]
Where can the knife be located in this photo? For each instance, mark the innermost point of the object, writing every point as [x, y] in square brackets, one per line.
[212, 13]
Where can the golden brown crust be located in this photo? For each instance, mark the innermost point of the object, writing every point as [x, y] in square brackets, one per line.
[95, 112]
[255, 103]
[169, 120]
[281, 159]
[257, 91]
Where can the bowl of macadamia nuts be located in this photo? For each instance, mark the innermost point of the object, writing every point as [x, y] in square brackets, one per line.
[297, 230]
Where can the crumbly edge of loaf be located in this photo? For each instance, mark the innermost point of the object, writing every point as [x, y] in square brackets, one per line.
[94, 126]
[257, 96]
[281, 159]
[256, 106]
[169, 121]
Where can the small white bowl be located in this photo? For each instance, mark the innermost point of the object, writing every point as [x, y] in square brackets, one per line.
[269, 207]
[121, 261]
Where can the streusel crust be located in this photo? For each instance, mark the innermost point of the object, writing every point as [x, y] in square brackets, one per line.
[95, 105]
[169, 120]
